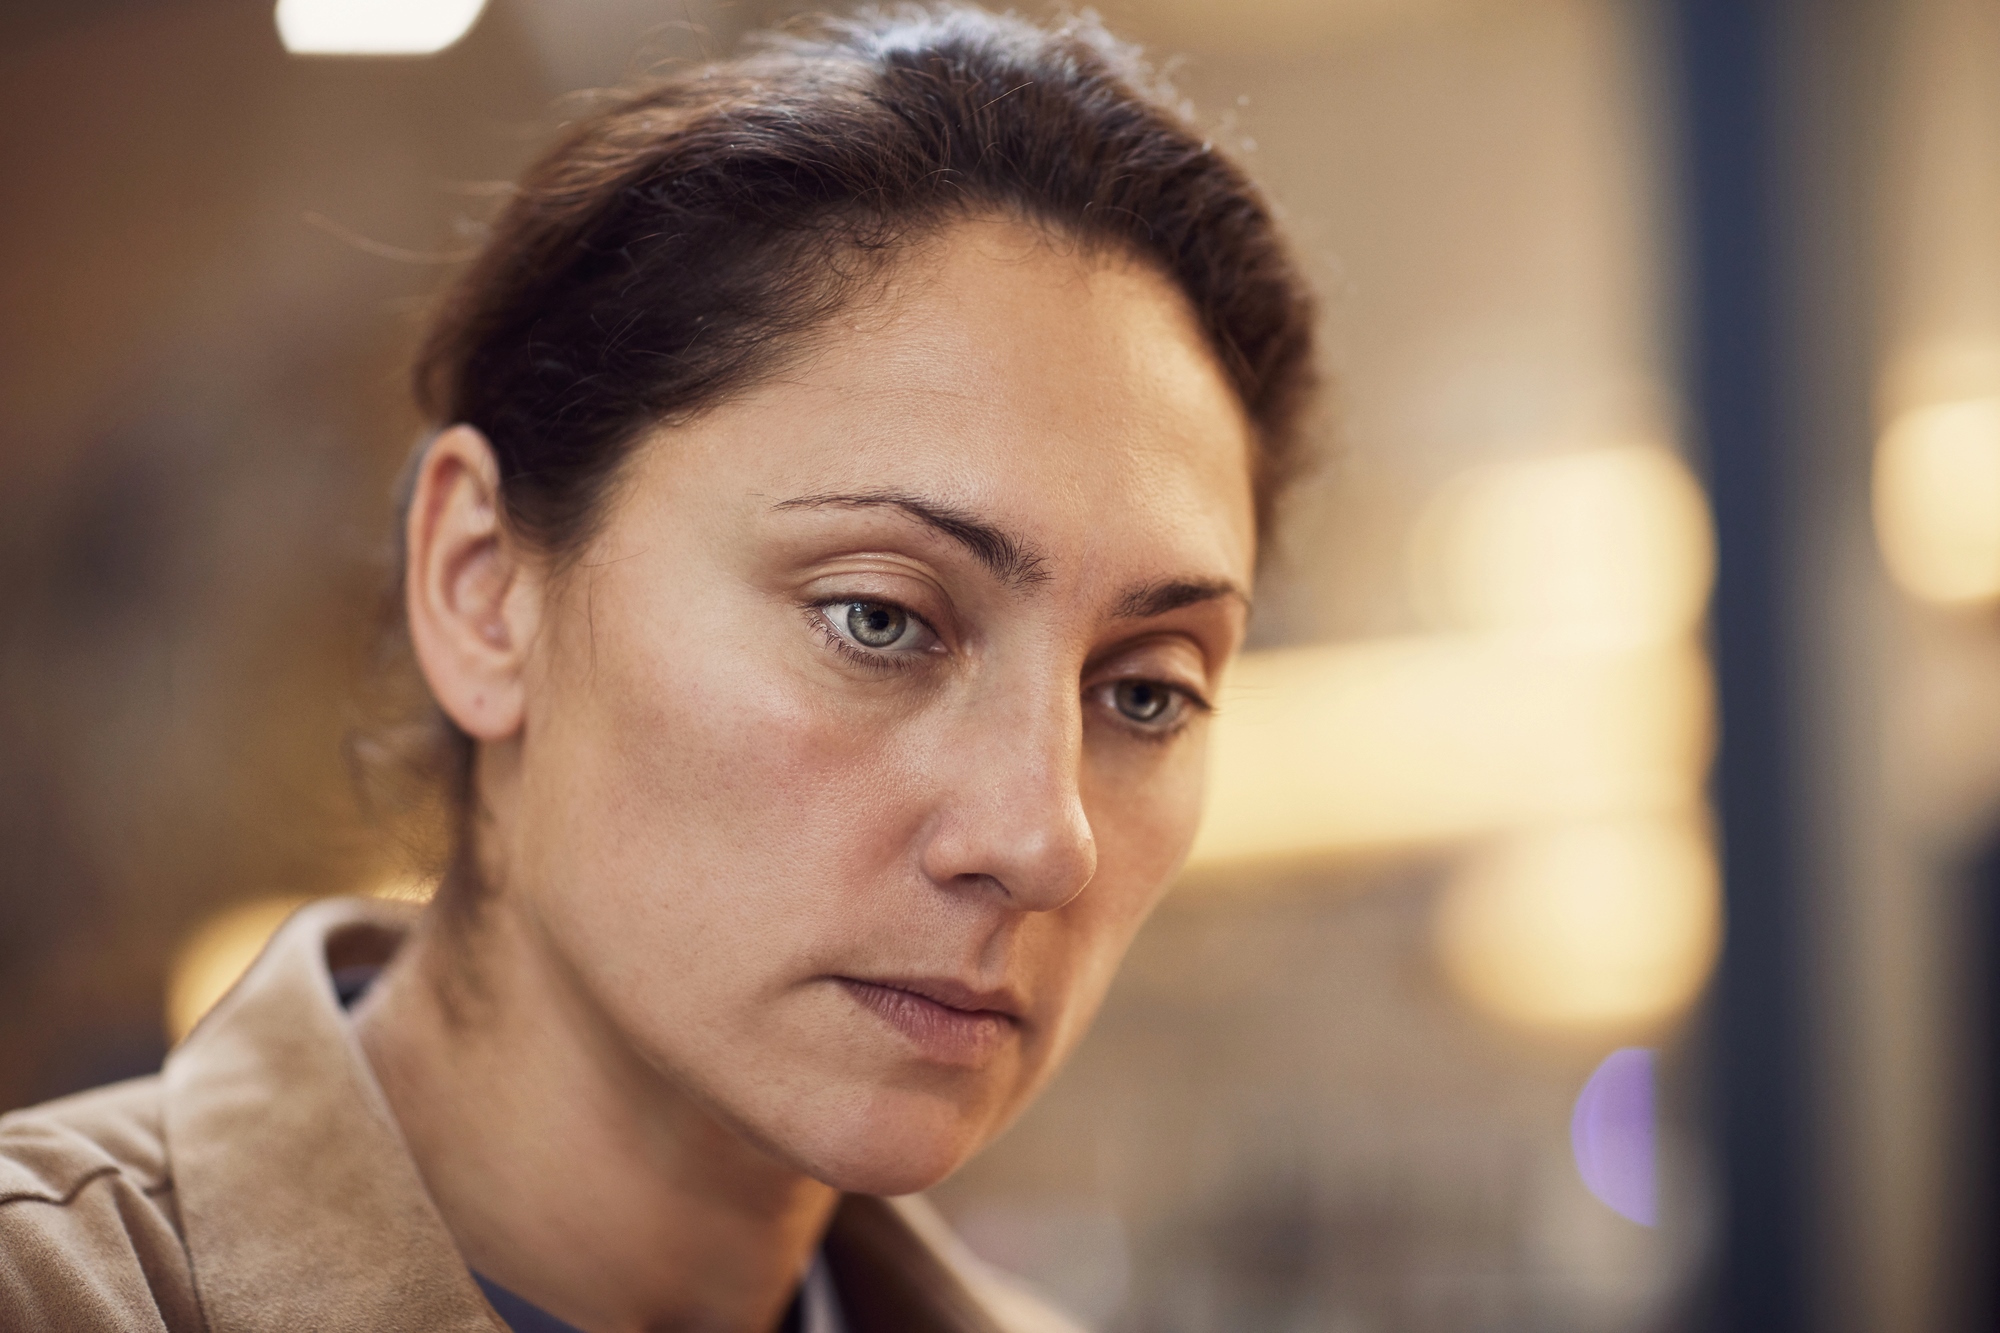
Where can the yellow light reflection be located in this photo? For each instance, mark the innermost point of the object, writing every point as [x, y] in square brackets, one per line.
[215, 955]
[1326, 750]
[406, 888]
[1937, 500]
[221, 950]
[1610, 543]
[1598, 926]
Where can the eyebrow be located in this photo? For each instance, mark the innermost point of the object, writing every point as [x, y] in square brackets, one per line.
[1009, 557]
[1156, 599]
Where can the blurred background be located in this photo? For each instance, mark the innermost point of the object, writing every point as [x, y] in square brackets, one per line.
[1594, 926]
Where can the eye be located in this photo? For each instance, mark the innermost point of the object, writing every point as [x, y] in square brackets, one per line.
[875, 625]
[880, 627]
[1148, 703]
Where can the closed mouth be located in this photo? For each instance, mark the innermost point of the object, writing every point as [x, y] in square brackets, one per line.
[947, 1021]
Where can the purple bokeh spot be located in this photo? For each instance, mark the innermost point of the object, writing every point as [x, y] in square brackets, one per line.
[1612, 1135]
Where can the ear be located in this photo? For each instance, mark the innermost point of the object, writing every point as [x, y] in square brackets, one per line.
[473, 603]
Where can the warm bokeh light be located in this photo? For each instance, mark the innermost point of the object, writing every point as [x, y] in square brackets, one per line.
[1612, 542]
[1603, 926]
[1326, 750]
[1937, 500]
[374, 27]
[215, 955]
[1563, 713]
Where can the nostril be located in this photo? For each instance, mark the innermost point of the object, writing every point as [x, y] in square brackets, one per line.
[980, 883]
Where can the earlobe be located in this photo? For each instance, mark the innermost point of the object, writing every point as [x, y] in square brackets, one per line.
[469, 597]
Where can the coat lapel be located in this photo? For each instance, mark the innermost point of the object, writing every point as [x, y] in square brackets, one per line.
[891, 1279]
[300, 1206]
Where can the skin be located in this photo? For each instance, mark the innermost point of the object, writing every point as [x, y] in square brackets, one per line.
[718, 833]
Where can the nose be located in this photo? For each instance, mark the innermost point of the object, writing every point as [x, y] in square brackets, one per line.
[1011, 813]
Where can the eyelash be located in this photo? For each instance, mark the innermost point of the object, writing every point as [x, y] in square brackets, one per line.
[1194, 704]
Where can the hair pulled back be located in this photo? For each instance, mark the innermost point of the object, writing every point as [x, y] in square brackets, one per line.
[673, 246]
[678, 243]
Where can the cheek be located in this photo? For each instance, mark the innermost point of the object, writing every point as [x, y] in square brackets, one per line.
[708, 807]
[1144, 806]
[709, 820]
[1143, 810]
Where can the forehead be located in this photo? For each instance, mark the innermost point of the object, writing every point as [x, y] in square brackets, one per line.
[1069, 394]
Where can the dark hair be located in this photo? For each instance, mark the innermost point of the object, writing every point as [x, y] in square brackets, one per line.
[675, 245]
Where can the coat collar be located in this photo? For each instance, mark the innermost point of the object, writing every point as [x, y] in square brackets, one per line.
[301, 1205]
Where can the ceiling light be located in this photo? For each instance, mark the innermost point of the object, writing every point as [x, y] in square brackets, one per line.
[374, 27]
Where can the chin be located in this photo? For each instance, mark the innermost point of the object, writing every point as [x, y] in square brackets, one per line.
[893, 1142]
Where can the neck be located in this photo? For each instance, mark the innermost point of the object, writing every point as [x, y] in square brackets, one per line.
[568, 1169]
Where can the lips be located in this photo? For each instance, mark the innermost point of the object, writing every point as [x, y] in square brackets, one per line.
[946, 1021]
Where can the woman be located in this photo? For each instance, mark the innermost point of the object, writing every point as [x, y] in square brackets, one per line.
[852, 468]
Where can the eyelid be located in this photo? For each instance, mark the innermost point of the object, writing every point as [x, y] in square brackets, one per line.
[906, 587]
[1129, 662]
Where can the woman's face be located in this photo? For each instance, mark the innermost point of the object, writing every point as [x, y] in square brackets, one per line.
[870, 725]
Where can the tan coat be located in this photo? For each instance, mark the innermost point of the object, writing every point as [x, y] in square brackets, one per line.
[258, 1182]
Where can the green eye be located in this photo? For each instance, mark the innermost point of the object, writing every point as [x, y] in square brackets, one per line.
[876, 624]
[1142, 701]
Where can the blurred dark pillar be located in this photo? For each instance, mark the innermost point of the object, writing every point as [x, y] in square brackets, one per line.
[1777, 104]
[1978, 1201]
[1730, 142]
